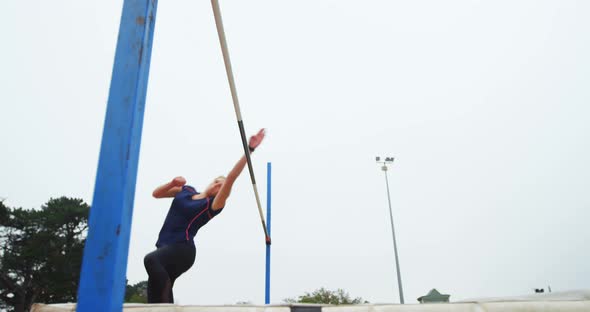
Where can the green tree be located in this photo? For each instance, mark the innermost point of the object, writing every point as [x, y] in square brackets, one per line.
[41, 252]
[325, 296]
[136, 293]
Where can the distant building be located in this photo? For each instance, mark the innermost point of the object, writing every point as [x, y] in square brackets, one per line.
[434, 296]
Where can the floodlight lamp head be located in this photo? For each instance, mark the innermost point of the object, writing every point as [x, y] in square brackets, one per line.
[377, 158]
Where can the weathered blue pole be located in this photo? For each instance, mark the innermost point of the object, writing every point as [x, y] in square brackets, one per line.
[268, 184]
[104, 265]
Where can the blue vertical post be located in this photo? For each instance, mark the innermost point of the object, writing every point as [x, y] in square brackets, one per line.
[104, 265]
[268, 184]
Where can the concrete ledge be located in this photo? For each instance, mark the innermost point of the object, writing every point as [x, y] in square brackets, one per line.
[523, 306]
[572, 301]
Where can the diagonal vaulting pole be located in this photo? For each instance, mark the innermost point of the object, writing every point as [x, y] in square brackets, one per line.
[234, 95]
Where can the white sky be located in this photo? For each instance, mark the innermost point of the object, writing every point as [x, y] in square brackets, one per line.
[484, 104]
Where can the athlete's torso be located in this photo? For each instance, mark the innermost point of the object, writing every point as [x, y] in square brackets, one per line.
[185, 217]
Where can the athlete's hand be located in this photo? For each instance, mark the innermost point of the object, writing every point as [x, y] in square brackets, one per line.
[256, 139]
[178, 181]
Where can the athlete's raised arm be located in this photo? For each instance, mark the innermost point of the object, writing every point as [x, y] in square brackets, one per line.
[225, 190]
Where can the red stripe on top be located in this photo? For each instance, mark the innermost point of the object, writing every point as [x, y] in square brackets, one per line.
[193, 220]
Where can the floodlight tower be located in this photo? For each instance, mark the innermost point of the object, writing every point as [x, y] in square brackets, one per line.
[384, 163]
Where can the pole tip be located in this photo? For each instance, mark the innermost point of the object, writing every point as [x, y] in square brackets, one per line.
[268, 240]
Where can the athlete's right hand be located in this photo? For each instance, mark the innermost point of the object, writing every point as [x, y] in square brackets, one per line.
[178, 181]
[256, 139]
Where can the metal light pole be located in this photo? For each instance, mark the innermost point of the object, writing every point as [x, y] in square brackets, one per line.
[388, 161]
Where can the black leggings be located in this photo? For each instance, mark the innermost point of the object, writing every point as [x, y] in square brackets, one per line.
[163, 266]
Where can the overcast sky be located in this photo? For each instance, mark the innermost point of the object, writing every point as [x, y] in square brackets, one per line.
[484, 104]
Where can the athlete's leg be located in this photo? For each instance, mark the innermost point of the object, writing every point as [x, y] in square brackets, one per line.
[185, 258]
[159, 283]
[165, 265]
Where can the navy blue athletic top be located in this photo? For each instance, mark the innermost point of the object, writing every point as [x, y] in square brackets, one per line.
[185, 217]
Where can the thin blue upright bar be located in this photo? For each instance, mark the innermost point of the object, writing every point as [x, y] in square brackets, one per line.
[268, 189]
[104, 265]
